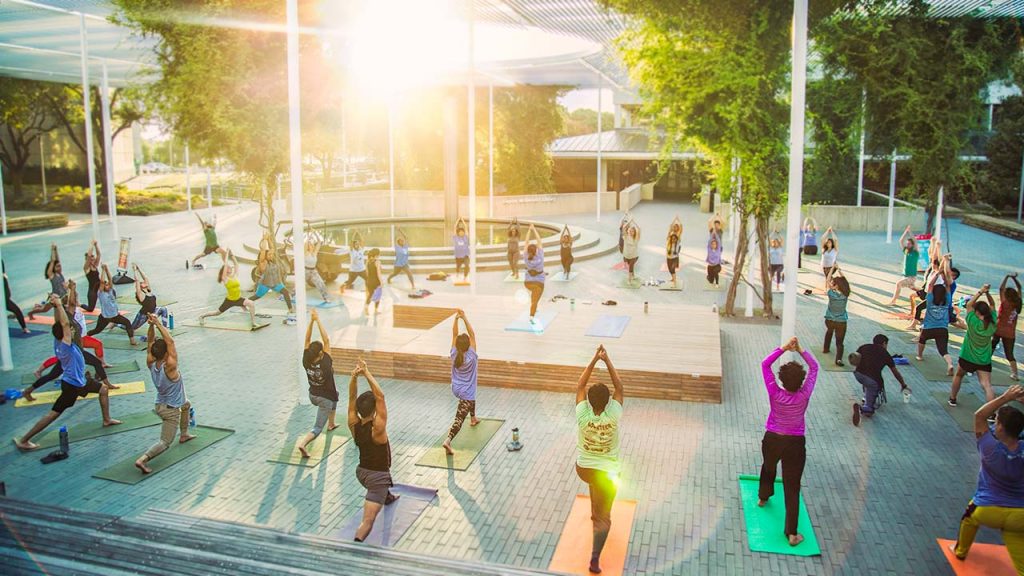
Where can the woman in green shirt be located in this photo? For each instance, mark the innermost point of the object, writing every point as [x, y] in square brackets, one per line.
[976, 351]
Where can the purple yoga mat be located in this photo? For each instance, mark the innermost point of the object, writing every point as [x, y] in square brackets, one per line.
[394, 519]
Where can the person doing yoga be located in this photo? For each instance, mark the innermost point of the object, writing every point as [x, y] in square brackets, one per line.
[936, 318]
[374, 290]
[565, 252]
[836, 317]
[401, 265]
[356, 262]
[631, 248]
[368, 424]
[92, 274]
[58, 286]
[464, 366]
[598, 412]
[911, 257]
[1006, 323]
[228, 276]
[535, 275]
[829, 254]
[776, 259]
[109, 311]
[12, 306]
[146, 299]
[512, 249]
[673, 246]
[714, 260]
[172, 405]
[323, 393]
[271, 272]
[311, 254]
[210, 244]
[784, 439]
[460, 247]
[976, 349]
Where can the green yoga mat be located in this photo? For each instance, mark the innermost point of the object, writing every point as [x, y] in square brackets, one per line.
[933, 367]
[963, 414]
[319, 449]
[122, 367]
[765, 526]
[228, 323]
[828, 361]
[95, 429]
[125, 471]
[634, 285]
[122, 344]
[467, 445]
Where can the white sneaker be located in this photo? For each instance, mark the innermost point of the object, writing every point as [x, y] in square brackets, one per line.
[290, 320]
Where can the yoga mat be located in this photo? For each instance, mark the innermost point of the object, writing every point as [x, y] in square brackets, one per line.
[512, 279]
[764, 526]
[606, 326]
[17, 333]
[222, 323]
[47, 398]
[123, 367]
[320, 448]
[125, 471]
[933, 367]
[123, 344]
[828, 361]
[95, 429]
[394, 519]
[467, 445]
[982, 560]
[711, 287]
[48, 320]
[460, 283]
[560, 277]
[322, 303]
[963, 414]
[130, 299]
[572, 555]
[620, 266]
[522, 323]
[625, 284]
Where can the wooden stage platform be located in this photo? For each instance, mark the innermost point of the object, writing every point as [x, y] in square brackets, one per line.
[673, 352]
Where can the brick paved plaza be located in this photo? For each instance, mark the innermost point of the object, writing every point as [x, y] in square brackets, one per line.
[878, 495]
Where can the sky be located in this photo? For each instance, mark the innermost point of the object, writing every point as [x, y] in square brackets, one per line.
[587, 99]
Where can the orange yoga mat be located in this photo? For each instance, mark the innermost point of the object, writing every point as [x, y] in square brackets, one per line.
[572, 555]
[983, 560]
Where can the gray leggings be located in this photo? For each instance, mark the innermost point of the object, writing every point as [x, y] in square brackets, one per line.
[324, 407]
[313, 277]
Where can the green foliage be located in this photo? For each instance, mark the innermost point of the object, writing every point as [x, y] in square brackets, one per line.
[24, 118]
[1005, 151]
[526, 120]
[833, 119]
[584, 121]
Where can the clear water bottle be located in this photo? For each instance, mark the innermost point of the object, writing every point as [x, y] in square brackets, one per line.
[906, 396]
[64, 439]
[191, 417]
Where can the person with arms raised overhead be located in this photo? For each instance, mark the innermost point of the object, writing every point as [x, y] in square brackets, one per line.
[368, 423]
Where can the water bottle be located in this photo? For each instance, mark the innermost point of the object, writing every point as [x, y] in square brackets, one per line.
[714, 308]
[187, 265]
[64, 439]
[170, 321]
[906, 396]
[572, 304]
[191, 417]
[646, 307]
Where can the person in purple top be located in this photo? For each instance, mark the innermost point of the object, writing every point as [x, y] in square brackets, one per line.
[460, 243]
[999, 500]
[714, 259]
[784, 432]
[464, 364]
[535, 275]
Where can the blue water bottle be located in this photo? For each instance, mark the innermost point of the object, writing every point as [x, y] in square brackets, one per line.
[170, 321]
[191, 417]
[64, 439]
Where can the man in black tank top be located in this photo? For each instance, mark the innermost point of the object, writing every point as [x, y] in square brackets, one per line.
[368, 421]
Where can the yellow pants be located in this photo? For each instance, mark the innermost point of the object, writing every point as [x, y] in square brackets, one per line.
[1009, 521]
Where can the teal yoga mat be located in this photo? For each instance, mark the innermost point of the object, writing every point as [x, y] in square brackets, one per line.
[522, 323]
[467, 445]
[765, 525]
[96, 429]
[125, 471]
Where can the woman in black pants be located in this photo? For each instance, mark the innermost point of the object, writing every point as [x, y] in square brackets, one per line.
[92, 275]
[12, 307]
[835, 314]
[109, 312]
[513, 251]
[566, 252]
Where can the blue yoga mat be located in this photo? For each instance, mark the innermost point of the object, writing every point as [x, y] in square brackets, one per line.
[17, 333]
[322, 304]
[394, 519]
[608, 326]
[522, 323]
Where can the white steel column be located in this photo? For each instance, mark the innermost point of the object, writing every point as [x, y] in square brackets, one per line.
[295, 161]
[796, 165]
[471, 146]
[87, 105]
[1020, 198]
[3, 203]
[600, 176]
[860, 158]
[937, 235]
[188, 180]
[892, 198]
[6, 363]
[490, 150]
[391, 159]
[42, 165]
[108, 153]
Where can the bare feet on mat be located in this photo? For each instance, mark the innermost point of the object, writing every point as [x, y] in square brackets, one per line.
[391, 498]
[25, 446]
[27, 395]
[111, 422]
[303, 451]
[332, 428]
[141, 465]
[761, 503]
[112, 386]
[185, 438]
[448, 448]
[595, 567]
[474, 421]
[795, 539]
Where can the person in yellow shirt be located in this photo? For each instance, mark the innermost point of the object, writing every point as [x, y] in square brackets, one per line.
[228, 276]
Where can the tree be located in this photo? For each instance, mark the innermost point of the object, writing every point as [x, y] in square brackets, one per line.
[584, 121]
[1005, 150]
[924, 78]
[24, 116]
[526, 120]
[128, 105]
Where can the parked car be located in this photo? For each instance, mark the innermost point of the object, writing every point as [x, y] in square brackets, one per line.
[155, 168]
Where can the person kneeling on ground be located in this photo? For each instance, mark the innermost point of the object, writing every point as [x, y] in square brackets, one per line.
[870, 359]
[999, 499]
[368, 423]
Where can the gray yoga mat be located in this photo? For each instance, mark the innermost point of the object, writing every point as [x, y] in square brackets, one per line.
[394, 519]
[607, 326]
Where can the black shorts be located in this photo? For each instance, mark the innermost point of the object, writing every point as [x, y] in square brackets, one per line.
[971, 367]
[229, 304]
[69, 394]
[941, 337]
[210, 249]
[811, 250]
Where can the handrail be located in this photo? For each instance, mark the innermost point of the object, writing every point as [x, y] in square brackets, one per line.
[886, 197]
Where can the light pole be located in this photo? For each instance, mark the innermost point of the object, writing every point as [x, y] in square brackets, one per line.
[796, 164]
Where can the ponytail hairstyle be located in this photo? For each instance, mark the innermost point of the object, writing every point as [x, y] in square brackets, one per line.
[461, 346]
[985, 311]
[842, 285]
[1013, 297]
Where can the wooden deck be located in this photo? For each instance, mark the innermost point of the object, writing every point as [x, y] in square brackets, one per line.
[671, 353]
